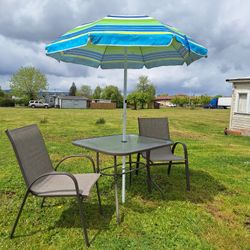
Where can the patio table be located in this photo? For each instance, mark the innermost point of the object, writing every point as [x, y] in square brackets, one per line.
[113, 145]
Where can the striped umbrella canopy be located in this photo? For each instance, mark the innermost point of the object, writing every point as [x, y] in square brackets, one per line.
[127, 42]
[149, 43]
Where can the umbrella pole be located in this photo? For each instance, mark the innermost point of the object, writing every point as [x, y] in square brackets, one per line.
[124, 125]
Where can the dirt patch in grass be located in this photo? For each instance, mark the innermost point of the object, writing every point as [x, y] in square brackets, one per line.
[187, 134]
[7, 194]
[247, 222]
[225, 216]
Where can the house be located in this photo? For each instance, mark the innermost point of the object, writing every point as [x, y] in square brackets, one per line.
[164, 101]
[72, 102]
[240, 108]
[167, 101]
[50, 96]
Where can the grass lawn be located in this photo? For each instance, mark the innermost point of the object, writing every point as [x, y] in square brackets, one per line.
[215, 214]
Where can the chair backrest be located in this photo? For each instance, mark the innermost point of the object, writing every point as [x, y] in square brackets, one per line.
[31, 152]
[154, 127]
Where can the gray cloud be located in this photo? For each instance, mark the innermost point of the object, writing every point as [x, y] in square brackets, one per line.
[222, 26]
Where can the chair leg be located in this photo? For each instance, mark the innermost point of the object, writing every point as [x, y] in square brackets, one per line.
[42, 203]
[19, 213]
[99, 198]
[169, 167]
[83, 221]
[149, 181]
[137, 163]
[187, 175]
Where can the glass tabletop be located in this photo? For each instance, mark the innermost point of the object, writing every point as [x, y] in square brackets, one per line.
[113, 144]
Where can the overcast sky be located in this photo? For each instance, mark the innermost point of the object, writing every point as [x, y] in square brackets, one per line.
[222, 26]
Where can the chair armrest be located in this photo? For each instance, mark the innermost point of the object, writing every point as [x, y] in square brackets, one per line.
[184, 149]
[72, 177]
[76, 156]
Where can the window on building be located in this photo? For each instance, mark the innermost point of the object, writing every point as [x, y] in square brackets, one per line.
[242, 103]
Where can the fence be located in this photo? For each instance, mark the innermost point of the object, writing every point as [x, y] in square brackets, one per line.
[100, 105]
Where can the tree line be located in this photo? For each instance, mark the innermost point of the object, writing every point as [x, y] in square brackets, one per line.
[142, 96]
[110, 92]
[191, 100]
[27, 82]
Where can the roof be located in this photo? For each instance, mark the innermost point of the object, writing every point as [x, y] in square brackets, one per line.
[169, 97]
[163, 98]
[241, 80]
[73, 98]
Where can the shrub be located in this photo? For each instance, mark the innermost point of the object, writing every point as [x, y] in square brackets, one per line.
[44, 120]
[192, 106]
[22, 102]
[100, 121]
[6, 102]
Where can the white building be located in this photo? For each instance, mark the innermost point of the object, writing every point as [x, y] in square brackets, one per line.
[240, 109]
[71, 102]
[164, 101]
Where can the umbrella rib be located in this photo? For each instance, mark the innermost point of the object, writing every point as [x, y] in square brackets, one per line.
[103, 54]
[142, 56]
[178, 50]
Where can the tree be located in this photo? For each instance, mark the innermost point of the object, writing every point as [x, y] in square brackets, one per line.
[27, 82]
[204, 99]
[133, 99]
[2, 94]
[146, 91]
[97, 92]
[196, 100]
[163, 94]
[181, 100]
[112, 93]
[72, 90]
[85, 90]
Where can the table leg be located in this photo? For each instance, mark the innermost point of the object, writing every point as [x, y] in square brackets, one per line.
[130, 168]
[148, 171]
[123, 178]
[116, 192]
[97, 162]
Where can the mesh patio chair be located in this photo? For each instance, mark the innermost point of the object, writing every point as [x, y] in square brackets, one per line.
[42, 179]
[158, 128]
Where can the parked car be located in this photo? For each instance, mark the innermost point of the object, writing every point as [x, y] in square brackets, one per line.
[225, 102]
[38, 104]
[171, 105]
[213, 104]
[219, 103]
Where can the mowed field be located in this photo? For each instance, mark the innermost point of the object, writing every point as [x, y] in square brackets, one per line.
[215, 214]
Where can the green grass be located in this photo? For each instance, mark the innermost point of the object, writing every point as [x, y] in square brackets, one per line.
[215, 214]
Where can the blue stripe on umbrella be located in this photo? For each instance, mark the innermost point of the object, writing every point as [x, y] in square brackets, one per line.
[120, 28]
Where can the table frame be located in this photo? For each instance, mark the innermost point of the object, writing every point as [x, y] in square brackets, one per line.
[99, 170]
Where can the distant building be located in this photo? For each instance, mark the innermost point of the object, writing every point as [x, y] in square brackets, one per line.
[72, 102]
[240, 109]
[164, 101]
[51, 96]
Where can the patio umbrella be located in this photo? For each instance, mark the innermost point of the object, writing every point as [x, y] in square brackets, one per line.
[125, 42]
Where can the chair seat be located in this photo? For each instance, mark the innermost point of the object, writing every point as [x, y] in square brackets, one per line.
[62, 185]
[163, 154]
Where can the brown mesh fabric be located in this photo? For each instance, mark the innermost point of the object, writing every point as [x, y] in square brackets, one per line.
[30, 151]
[62, 185]
[157, 128]
[154, 127]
